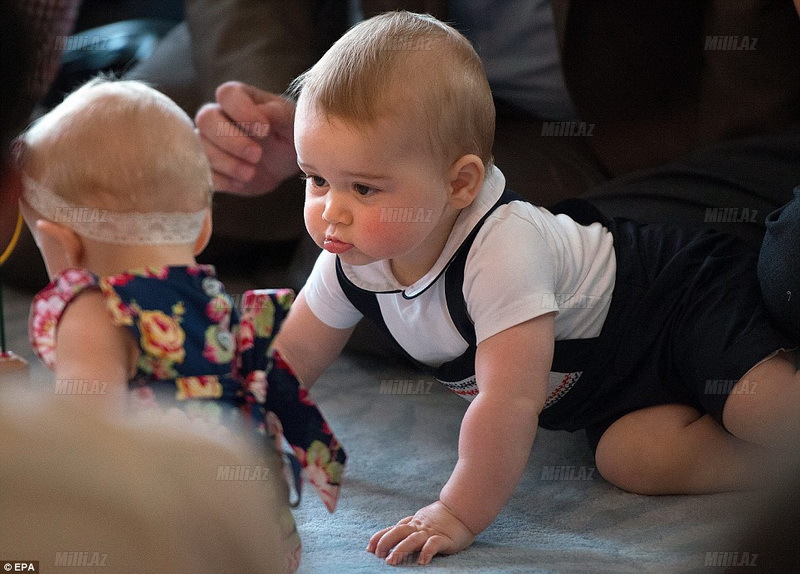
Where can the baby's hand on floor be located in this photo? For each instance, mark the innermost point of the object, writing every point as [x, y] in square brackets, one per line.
[432, 530]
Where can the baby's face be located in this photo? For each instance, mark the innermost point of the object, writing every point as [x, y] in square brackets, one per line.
[373, 193]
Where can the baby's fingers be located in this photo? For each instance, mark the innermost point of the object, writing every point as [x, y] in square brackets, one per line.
[391, 538]
[403, 551]
[436, 544]
[372, 545]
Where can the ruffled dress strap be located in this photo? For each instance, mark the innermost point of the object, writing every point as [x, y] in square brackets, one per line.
[48, 306]
[274, 392]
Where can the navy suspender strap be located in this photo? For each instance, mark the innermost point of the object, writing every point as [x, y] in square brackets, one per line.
[454, 276]
[367, 304]
[463, 367]
[568, 356]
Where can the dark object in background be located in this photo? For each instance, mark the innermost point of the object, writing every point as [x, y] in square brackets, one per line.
[111, 49]
[16, 66]
[779, 267]
[94, 13]
[110, 36]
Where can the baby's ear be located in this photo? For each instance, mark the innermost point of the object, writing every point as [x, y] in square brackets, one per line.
[466, 179]
[61, 247]
[205, 234]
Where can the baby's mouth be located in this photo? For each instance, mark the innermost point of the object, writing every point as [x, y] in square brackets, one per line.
[335, 246]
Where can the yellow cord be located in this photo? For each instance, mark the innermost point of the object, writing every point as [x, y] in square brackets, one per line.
[14, 239]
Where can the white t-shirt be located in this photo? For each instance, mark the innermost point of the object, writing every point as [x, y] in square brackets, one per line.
[524, 262]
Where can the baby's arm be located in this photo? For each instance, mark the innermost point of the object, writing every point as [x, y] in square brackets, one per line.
[95, 358]
[308, 344]
[496, 438]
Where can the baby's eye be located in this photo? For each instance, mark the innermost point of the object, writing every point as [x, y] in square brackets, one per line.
[316, 180]
[364, 190]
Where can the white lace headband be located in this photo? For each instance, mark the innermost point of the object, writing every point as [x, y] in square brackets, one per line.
[130, 228]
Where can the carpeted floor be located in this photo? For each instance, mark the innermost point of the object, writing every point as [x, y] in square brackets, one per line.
[400, 431]
[563, 517]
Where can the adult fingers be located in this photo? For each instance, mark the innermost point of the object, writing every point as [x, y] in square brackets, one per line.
[235, 122]
[242, 102]
[229, 172]
[255, 111]
[281, 117]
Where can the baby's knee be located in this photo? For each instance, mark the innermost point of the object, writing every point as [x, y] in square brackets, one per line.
[611, 465]
[639, 452]
[628, 464]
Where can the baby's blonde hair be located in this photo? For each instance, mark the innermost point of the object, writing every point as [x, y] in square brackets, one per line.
[121, 146]
[413, 60]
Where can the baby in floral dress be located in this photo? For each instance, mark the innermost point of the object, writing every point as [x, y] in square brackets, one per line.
[118, 201]
[117, 194]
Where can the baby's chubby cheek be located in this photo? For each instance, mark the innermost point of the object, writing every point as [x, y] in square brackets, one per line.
[315, 225]
[384, 237]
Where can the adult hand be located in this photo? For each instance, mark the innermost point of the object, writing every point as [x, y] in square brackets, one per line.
[432, 530]
[248, 138]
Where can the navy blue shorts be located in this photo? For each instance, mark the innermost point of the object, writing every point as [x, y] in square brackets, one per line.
[686, 322]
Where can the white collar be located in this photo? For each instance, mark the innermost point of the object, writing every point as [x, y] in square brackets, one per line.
[377, 277]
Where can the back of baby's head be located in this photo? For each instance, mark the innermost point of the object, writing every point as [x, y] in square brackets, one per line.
[120, 146]
[411, 67]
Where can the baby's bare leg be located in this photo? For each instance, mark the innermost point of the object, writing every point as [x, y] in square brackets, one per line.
[764, 406]
[672, 449]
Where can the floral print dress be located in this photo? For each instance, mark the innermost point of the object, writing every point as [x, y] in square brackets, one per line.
[183, 323]
[199, 354]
